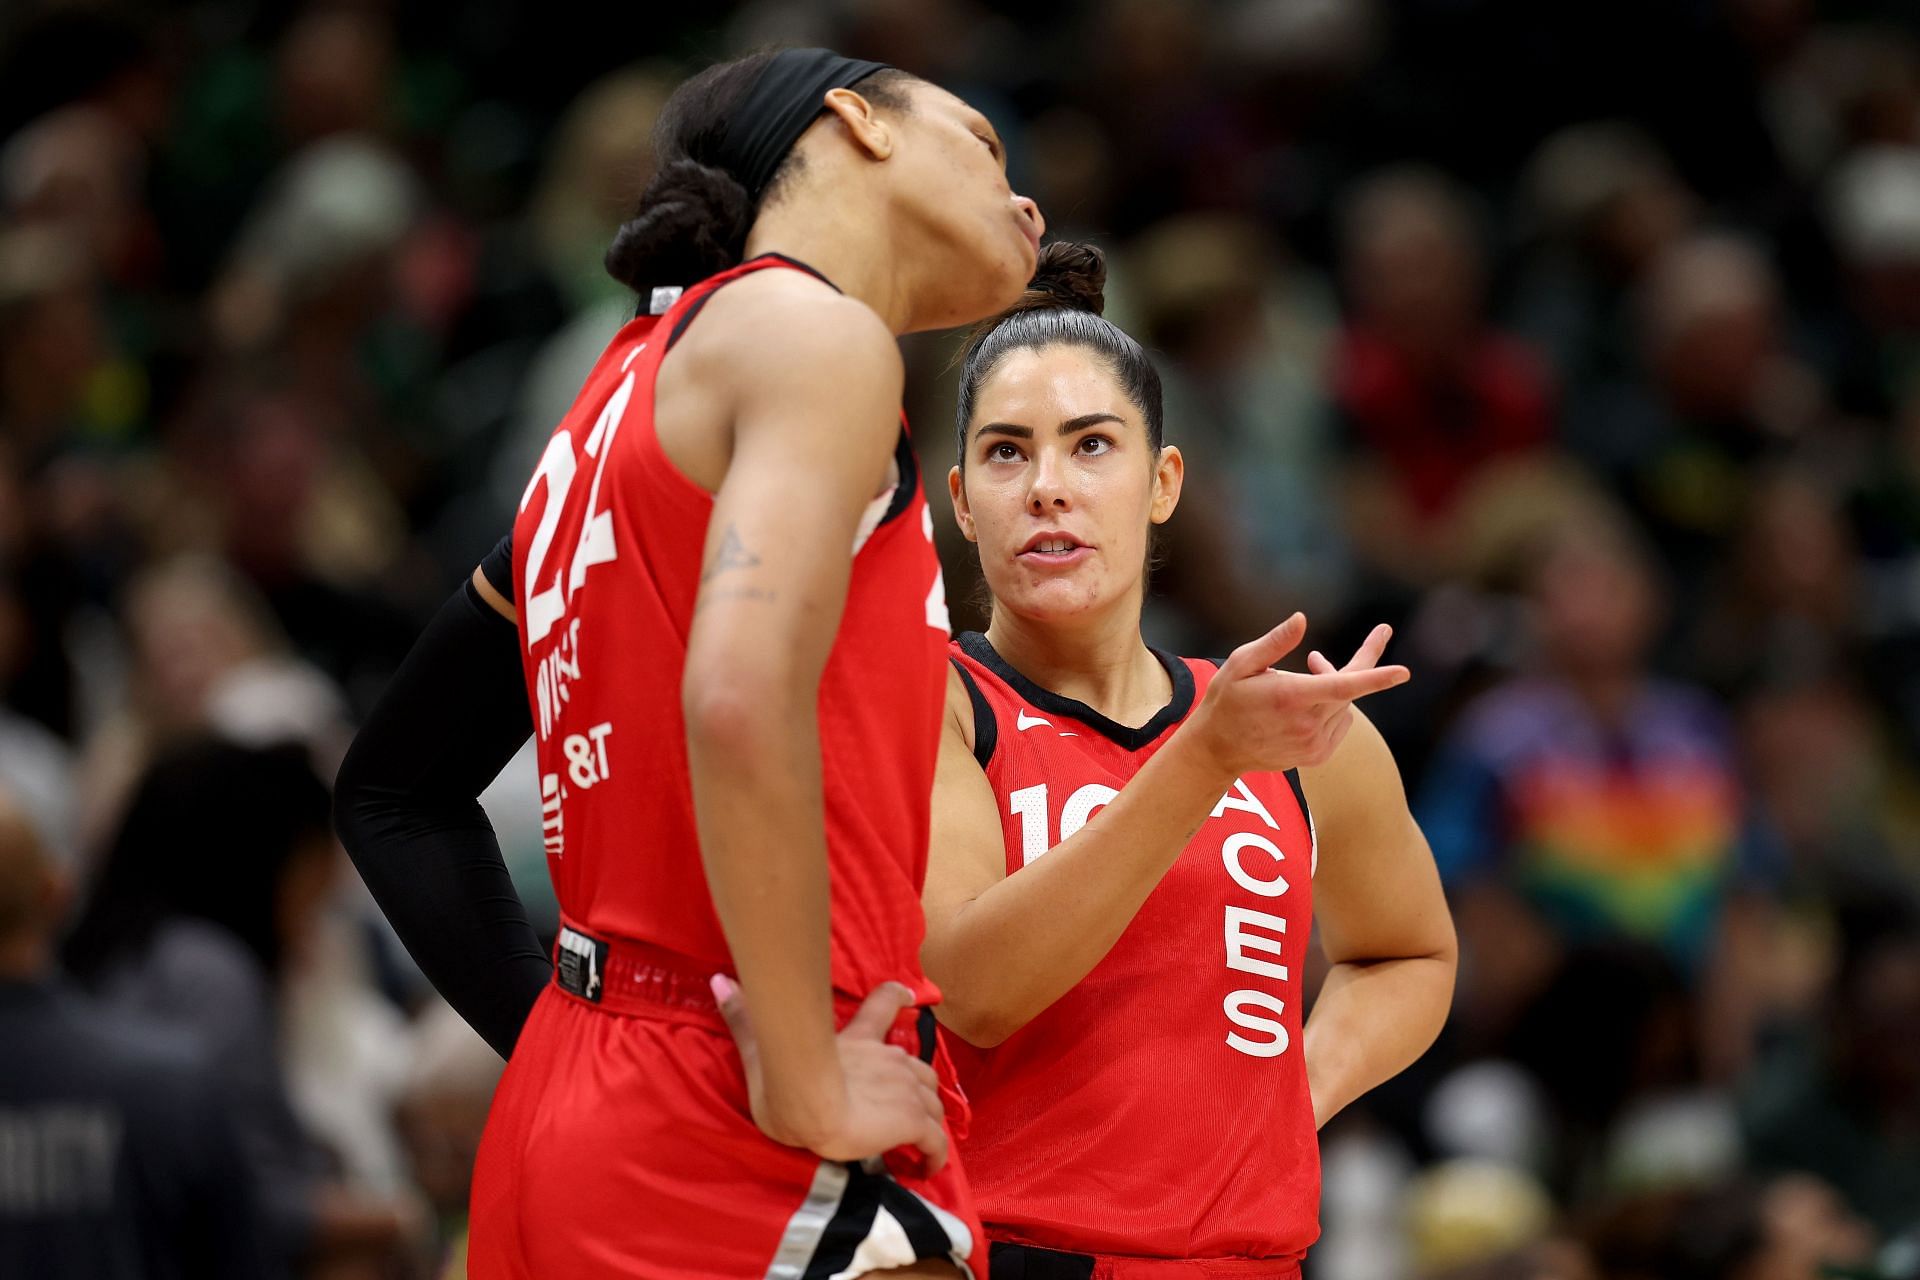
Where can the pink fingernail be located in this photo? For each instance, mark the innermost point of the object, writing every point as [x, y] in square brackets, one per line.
[723, 987]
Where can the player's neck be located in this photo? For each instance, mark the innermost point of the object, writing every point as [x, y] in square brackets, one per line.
[841, 245]
[1100, 660]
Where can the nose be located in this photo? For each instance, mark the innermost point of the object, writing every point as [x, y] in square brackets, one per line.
[1031, 211]
[1048, 489]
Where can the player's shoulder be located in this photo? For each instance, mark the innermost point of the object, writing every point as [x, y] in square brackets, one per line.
[969, 715]
[786, 321]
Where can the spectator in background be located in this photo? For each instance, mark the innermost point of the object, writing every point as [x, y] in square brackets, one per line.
[1787, 1228]
[208, 898]
[442, 1114]
[1426, 391]
[81, 168]
[1842, 1100]
[122, 1160]
[1599, 204]
[1245, 333]
[206, 655]
[1589, 802]
[1786, 597]
[1723, 396]
[52, 346]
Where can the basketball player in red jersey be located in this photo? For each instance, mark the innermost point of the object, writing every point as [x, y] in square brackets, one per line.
[1123, 872]
[735, 682]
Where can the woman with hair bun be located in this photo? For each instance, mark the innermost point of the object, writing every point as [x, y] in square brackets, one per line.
[1124, 871]
[732, 633]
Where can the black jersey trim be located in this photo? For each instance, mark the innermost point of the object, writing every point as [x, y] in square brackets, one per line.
[1299, 793]
[976, 646]
[1030, 1262]
[848, 1229]
[1313, 832]
[923, 1230]
[811, 270]
[908, 466]
[686, 317]
[986, 725]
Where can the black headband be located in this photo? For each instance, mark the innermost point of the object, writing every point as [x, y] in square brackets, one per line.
[779, 107]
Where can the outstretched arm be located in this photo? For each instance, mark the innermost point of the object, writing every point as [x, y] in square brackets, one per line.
[1003, 948]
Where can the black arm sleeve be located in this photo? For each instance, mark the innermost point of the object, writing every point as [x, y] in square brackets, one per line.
[498, 567]
[405, 807]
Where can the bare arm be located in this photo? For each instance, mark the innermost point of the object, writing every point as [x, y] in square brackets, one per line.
[1003, 948]
[815, 386]
[1383, 923]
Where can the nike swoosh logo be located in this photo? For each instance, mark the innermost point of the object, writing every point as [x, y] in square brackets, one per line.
[1023, 721]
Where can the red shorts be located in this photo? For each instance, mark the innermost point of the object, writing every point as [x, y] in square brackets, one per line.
[620, 1144]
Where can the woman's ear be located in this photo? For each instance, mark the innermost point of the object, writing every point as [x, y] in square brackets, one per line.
[962, 516]
[869, 132]
[1169, 473]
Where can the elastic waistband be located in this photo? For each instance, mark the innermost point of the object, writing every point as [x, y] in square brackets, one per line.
[638, 979]
[1029, 1262]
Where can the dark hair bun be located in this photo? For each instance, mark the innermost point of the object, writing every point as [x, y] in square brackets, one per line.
[692, 223]
[1070, 277]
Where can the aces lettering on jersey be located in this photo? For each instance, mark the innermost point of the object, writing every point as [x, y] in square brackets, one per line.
[1253, 938]
[559, 668]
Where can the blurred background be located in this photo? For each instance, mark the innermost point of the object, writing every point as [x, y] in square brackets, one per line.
[1580, 341]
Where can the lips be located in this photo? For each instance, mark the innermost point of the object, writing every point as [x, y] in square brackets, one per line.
[1051, 542]
[1053, 550]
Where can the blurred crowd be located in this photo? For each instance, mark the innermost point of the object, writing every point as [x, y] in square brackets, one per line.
[1580, 341]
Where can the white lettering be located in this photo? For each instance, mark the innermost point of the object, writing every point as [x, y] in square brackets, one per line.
[596, 544]
[1236, 1008]
[587, 755]
[1240, 942]
[557, 466]
[552, 816]
[1243, 799]
[1230, 854]
[1029, 804]
[1081, 806]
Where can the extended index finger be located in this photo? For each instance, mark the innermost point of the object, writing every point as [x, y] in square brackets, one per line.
[1347, 686]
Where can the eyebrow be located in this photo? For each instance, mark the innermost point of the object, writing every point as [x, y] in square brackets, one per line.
[1067, 428]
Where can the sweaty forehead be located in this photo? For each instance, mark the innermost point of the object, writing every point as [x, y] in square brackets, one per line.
[1044, 387]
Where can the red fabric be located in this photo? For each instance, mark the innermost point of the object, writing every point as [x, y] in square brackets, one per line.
[622, 847]
[1122, 1120]
[623, 1147]
[1435, 432]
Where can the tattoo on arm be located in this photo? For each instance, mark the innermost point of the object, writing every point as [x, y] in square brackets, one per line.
[733, 554]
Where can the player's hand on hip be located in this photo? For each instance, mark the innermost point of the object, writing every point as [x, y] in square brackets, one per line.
[1257, 719]
[887, 1097]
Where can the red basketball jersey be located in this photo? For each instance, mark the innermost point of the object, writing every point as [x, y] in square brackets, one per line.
[1160, 1108]
[607, 551]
